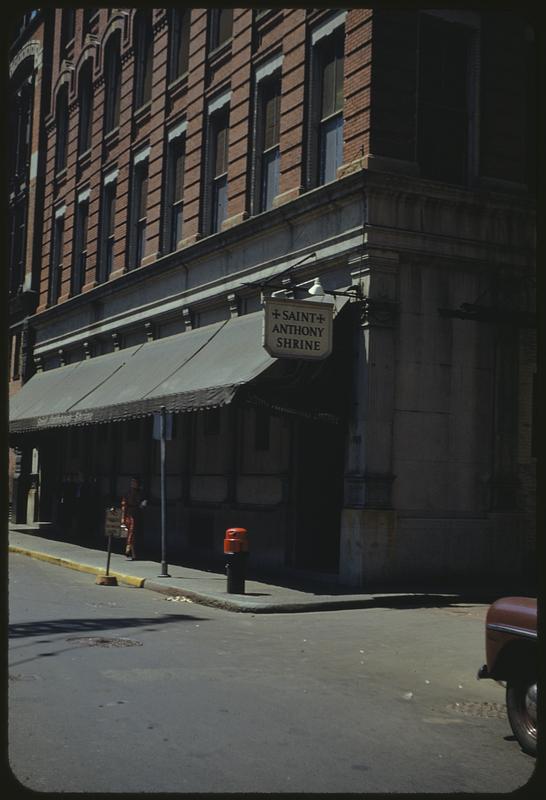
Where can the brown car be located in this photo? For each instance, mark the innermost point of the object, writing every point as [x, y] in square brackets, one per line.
[511, 652]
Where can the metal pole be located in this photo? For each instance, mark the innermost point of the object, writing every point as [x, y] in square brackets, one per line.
[164, 573]
[108, 554]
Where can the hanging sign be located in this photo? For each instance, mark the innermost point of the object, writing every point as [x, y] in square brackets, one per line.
[297, 329]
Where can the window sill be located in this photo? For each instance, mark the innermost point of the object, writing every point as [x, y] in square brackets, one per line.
[216, 56]
[111, 137]
[84, 159]
[143, 112]
[266, 17]
[60, 176]
[178, 86]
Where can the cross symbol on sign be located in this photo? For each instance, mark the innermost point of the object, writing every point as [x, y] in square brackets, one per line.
[276, 314]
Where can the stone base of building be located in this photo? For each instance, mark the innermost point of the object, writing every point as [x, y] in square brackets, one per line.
[381, 550]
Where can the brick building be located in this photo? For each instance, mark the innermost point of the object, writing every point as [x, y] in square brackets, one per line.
[196, 161]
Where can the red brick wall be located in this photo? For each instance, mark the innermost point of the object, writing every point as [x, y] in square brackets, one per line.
[229, 67]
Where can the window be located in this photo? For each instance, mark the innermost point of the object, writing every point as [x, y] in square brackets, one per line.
[80, 243]
[218, 166]
[221, 22]
[179, 43]
[16, 373]
[325, 143]
[18, 246]
[139, 202]
[22, 125]
[88, 16]
[268, 137]
[143, 58]
[107, 228]
[67, 28]
[112, 83]
[61, 119]
[85, 97]
[174, 190]
[443, 100]
[56, 267]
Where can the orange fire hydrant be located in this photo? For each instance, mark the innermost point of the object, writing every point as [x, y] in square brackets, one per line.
[236, 552]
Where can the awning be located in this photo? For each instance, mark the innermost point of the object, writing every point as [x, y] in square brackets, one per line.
[191, 371]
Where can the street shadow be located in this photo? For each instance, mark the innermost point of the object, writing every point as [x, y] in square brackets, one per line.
[47, 627]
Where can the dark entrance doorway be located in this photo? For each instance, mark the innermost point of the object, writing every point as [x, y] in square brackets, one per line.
[318, 495]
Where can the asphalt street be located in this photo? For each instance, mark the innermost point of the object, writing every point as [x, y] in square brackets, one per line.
[118, 689]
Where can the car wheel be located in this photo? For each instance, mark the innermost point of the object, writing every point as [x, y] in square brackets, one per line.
[521, 705]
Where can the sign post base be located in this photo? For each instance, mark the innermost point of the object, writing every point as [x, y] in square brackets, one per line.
[106, 580]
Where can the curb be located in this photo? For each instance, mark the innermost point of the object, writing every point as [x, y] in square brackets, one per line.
[130, 580]
[214, 601]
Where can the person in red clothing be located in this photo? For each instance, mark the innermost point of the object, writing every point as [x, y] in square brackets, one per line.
[131, 505]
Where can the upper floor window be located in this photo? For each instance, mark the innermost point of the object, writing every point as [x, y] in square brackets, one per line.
[56, 263]
[22, 128]
[61, 120]
[112, 83]
[217, 164]
[221, 26]
[88, 16]
[267, 152]
[143, 58]
[174, 188]
[85, 97]
[107, 227]
[443, 100]
[138, 209]
[179, 44]
[80, 242]
[67, 28]
[18, 245]
[325, 141]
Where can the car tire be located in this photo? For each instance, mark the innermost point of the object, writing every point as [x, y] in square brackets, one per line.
[521, 709]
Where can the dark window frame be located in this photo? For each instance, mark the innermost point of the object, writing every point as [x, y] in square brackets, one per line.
[143, 62]
[179, 43]
[267, 141]
[18, 249]
[326, 109]
[81, 233]
[217, 169]
[68, 28]
[112, 84]
[24, 98]
[174, 193]
[443, 101]
[221, 27]
[107, 231]
[61, 129]
[57, 256]
[85, 98]
[138, 213]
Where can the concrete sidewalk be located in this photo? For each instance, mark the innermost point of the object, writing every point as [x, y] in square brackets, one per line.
[201, 586]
